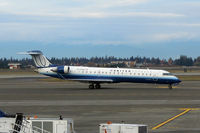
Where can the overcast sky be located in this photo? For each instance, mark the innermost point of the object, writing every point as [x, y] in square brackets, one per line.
[85, 28]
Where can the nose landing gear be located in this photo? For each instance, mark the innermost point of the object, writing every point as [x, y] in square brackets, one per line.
[170, 86]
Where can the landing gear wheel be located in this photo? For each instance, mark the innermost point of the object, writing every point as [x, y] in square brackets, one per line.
[170, 86]
[97, 86]
[91, 86]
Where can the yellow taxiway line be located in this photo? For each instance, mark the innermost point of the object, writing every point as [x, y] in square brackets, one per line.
[166, 87]
[186, 110]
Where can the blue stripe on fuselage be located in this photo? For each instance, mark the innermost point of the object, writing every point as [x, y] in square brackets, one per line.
[117, 78]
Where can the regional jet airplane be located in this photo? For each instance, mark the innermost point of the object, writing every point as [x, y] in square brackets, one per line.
[98, 75]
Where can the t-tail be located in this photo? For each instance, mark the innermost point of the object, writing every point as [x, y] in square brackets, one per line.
[39, 59]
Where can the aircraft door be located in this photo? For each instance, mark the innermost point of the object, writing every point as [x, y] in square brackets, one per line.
[99, 73]
[155, 78]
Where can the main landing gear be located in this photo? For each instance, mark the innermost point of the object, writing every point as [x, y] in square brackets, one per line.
[94, 86]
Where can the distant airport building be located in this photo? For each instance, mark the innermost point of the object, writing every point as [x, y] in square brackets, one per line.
[29, 66]
[14, 66]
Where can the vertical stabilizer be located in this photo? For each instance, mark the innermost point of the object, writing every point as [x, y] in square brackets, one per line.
[39, 59]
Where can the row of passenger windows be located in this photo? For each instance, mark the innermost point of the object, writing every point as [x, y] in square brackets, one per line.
[113, 73]
[168, 74]
[119, 72]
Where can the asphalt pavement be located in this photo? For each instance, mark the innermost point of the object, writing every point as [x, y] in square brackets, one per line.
[148, 104]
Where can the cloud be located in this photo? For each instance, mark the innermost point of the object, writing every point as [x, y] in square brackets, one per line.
[80, 9]
[148, 14]
[101, 14]
[157, 38]
[117, 3]
[97, 42]
[3, 4]
[46, 6]
[173, 36]
[180, 24]
[54, 20]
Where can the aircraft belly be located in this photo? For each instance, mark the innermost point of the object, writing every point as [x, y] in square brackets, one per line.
[115, 79]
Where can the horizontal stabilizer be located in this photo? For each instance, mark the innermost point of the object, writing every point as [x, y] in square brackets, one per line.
[34, 52]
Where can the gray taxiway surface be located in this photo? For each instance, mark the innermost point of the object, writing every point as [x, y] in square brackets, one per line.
[133, 103]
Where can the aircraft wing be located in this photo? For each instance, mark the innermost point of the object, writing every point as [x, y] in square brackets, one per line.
[94, 80]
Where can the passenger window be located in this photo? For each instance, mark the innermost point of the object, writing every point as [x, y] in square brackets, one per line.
[167, 74]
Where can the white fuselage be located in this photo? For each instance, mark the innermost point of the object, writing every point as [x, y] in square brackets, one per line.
[100, 74]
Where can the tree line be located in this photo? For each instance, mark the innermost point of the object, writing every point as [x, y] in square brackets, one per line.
[181, 61]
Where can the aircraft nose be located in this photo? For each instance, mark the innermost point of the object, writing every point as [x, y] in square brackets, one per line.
[178, 80]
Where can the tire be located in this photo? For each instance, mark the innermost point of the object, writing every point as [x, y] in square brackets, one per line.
[170, 87]
[91, 86]
[97, 86]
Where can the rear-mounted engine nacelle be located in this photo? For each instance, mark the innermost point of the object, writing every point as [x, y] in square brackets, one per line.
[61, 69]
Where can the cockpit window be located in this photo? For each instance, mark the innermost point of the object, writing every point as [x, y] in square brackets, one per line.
[168, 74]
